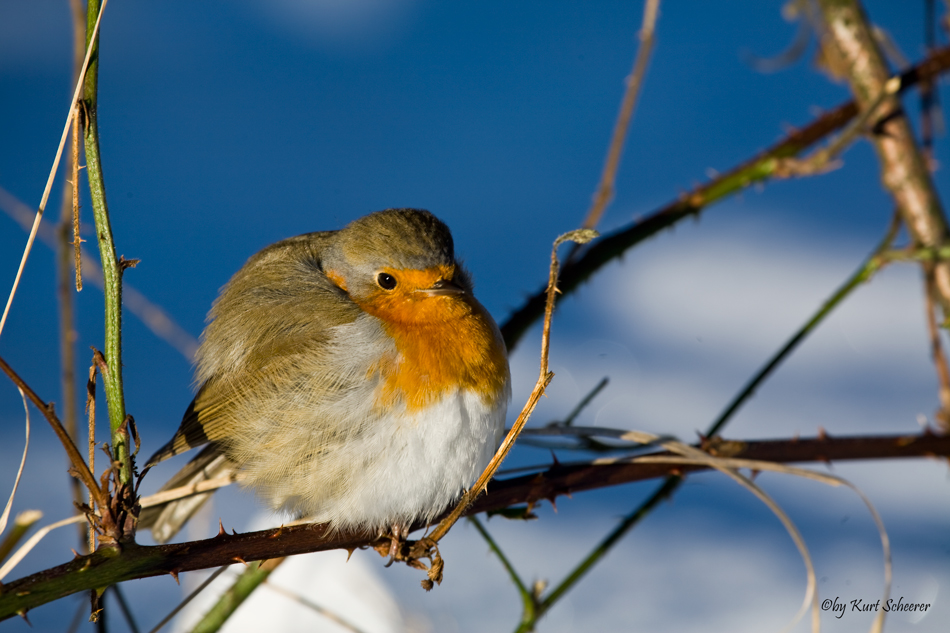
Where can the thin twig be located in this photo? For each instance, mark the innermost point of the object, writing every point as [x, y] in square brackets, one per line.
[544, 378]
[327, 613]
[68, 273]
[758, 169]
[77, 239]
[903, 169]
[152, 316]
[529, 601]
[191, 596]
[936, 348]
[79, 465]
[21, 525]
[52, 174]
[868, 268]
[605, 190]
[5, 515]
[111, 267]
[124, 607]
[67, 331]
[91, 433]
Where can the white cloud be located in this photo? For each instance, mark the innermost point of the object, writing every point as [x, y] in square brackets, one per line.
[339, 23]
[748, 293]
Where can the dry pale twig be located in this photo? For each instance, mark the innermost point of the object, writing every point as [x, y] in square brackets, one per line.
[605, 190]
[580, 236]
[728, 466]
[21, 524]
[19, 473]
[52, 173]
[77, 240]
[79, 465]
[14, 560]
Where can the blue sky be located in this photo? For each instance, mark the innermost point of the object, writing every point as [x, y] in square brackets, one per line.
[230, 125]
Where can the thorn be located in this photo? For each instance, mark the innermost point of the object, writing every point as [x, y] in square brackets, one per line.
[233, 532]
[221, 530]
[127, 263]
[554, 462]
[22, 614]
[349, 553]
[174, 574]
[75, 553]
[240, 560]
[822, 434]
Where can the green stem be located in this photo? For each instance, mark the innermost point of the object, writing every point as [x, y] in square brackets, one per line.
[528, 600]
[760, 168]
[111, 268]
[249, 580]
[661, 493]
[871, 265]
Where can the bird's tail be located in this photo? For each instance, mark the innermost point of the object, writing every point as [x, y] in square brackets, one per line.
[166, 519]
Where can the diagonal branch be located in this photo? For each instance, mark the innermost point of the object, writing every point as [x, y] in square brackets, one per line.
[79, 465]
[903, 169]
[757, 169]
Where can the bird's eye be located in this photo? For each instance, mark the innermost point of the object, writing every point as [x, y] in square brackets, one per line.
[386, 281]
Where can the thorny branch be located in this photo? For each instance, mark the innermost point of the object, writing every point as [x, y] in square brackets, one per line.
[106, 566]
[757, 169]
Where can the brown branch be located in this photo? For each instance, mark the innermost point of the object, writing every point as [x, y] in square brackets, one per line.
[111, 565]
[937, 354]
[79, 465]
[69, 225]
[903, 170]
[757, 169]
[605, 190]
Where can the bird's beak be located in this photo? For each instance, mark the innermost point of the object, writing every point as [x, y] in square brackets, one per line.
[443, 287]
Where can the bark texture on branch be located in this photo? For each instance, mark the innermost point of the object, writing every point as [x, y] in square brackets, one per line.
[903, 169]
[111, 565]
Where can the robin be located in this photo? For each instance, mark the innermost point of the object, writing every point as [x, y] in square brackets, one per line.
[349, 377]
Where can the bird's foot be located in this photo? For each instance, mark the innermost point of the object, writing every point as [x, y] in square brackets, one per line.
[394, 545]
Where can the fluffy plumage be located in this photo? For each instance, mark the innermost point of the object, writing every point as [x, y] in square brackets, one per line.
[337, 397]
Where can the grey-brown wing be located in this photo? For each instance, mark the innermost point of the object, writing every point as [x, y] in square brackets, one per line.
[278, 306]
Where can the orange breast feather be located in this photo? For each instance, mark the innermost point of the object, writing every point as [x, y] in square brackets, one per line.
[443, 342]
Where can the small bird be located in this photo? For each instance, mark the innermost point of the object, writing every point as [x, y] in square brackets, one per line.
[349, 377]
